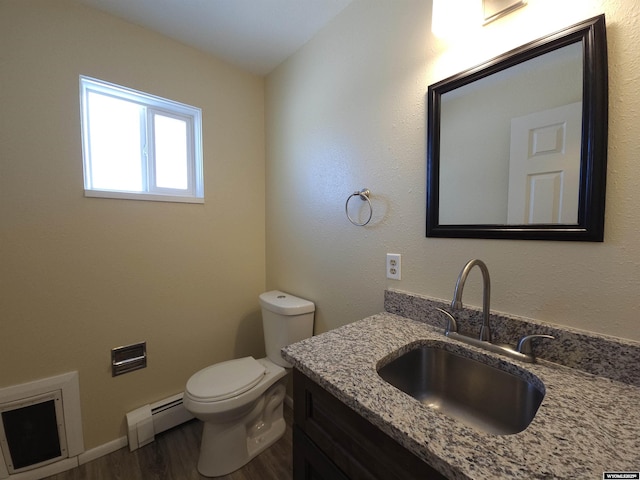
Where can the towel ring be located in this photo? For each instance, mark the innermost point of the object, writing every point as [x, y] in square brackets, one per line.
[364, 196]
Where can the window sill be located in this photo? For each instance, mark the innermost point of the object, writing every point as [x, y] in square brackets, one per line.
[141, 196]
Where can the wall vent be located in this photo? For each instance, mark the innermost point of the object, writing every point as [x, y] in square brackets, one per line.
[32, 432]
[149, 420]
[40, 426]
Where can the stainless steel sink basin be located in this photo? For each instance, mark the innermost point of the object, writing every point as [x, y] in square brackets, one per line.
[477, 394]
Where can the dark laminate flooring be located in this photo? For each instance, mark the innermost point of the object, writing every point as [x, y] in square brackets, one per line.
[174, 456]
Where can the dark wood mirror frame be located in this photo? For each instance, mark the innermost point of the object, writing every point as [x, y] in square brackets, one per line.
[593, 157]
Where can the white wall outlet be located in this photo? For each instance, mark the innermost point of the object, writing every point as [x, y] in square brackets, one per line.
[393, 266]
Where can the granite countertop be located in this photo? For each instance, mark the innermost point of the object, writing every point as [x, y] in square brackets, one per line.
[586, 424]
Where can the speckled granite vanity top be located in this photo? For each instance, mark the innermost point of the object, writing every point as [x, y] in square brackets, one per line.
[587, 424]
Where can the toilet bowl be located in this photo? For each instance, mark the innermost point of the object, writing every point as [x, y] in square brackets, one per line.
[240, 401]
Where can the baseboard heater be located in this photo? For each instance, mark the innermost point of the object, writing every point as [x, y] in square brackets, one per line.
[144, 423]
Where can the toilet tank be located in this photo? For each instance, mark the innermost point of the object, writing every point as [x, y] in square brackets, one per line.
[286, 319]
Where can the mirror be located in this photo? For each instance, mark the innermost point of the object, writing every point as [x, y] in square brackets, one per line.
[517, 146]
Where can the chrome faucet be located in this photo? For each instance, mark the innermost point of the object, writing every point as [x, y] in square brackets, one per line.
[456, 304]
[523, 351]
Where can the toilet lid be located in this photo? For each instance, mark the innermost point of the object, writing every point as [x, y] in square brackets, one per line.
[226, 379]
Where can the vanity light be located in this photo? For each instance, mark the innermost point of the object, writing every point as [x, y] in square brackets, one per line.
[451, 19]
[494, 9]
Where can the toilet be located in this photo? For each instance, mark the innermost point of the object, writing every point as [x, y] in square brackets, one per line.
[240, 400]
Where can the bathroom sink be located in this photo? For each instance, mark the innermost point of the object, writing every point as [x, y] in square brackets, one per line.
[479, 395]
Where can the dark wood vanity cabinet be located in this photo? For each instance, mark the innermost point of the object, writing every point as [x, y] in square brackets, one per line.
[332, 442]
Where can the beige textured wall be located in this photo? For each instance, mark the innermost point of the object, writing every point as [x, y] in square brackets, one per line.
[348, 111]
[79, 275]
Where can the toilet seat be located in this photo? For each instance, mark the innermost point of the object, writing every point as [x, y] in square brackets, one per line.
[225, 380]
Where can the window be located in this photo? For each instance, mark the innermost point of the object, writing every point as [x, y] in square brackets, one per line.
[139, 146]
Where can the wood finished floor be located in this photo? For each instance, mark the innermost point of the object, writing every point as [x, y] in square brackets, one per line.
[174, 456]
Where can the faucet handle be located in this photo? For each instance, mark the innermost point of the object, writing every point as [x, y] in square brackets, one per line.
[524, 345]
[452, 325]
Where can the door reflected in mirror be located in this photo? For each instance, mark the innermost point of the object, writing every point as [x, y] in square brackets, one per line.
[517, 146]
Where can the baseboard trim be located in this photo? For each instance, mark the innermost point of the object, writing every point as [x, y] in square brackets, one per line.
[102, 450]
[70, 463]
[46, 471]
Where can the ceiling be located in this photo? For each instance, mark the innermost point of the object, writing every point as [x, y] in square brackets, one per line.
[255, 35]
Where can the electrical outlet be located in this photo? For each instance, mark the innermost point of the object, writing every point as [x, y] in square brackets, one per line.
[393, 266]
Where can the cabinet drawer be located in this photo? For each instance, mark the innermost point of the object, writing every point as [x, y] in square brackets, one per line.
[309, 462]
[358, 448]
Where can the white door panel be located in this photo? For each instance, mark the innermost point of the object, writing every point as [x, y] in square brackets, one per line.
[544, 168]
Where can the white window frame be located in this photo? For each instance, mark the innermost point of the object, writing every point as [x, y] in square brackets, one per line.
[192, 116]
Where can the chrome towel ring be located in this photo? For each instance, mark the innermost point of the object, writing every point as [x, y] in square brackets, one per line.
[364, 196]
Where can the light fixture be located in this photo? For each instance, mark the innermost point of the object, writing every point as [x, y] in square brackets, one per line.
[494, 9]
[455, 19]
